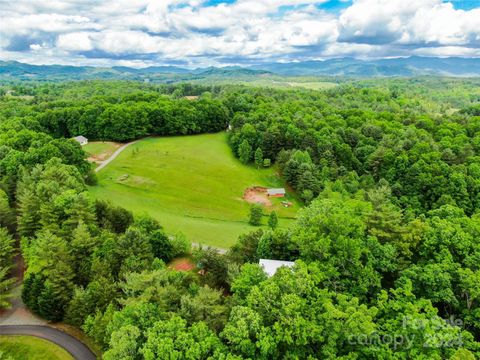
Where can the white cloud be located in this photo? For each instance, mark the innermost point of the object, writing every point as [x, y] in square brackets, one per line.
[447, 51]
[35, 47]
[187, 30]
[409, 22]
[124, 42]
[444, 25]
[76, 41]
[45, 23]
[353, 50]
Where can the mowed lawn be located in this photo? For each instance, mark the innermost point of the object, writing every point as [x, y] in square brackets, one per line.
[30, 348]
[191, 184]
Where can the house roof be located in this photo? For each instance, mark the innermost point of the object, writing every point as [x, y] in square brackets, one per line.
[276, 191]
[271, 266]
[80, 138]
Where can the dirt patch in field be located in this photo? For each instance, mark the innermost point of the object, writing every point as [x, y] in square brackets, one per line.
[257, 195]
[93, 159]
[98, 158]
[135, 181]
[182, 264]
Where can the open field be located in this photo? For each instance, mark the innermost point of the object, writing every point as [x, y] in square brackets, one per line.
[99, 151]
[287, 83]
[313, 85]
[191, 184]
[30, 348]
[274, 82]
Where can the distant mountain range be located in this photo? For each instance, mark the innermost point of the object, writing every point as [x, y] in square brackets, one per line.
[405, 67]
[411, 66]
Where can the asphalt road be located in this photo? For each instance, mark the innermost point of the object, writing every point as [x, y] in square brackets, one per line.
[114, 155]
[76, 348]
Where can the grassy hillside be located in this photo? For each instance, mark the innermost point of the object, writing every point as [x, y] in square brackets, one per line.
[191, 184]
[271, 81]
[30, 348]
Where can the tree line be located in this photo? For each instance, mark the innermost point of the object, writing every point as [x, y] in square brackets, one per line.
[107, 113]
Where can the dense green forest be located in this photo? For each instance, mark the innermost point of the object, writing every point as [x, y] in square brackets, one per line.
[387, 247]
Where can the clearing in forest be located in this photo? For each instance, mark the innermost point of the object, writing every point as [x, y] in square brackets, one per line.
[191, 184]
[99, 151]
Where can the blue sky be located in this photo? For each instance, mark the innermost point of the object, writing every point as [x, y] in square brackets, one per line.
[228, 32]
[332, 5]
[465, 4]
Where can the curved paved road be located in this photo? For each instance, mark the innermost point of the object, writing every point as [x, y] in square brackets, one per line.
[76, 348]
[114, 155]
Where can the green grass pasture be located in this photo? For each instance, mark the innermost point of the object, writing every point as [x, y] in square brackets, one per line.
[191, 184]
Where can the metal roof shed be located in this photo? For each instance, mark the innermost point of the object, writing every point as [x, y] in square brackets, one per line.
[271, 266]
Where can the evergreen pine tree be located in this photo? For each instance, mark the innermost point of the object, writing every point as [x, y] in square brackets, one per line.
[33, 286]
[245, 152]
[256, 213]
[273, 220]
[48, 306]
[7, 249]
[7, 217]
[6, 284]
[28, 220]
[258, 157]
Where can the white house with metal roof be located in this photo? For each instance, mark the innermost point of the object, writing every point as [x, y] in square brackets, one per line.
[82, 140]
[271, 266]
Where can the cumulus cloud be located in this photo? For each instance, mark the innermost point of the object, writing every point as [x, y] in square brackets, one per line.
[35, 47]
[409, 22]
[75, 41]
[45, 23]
[147, 32]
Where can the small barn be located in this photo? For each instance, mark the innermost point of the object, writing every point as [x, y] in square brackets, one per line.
[82, 140]
[271, 266]
[280, 192]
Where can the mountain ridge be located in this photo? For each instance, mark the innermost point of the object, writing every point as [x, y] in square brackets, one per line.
[350, 67]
